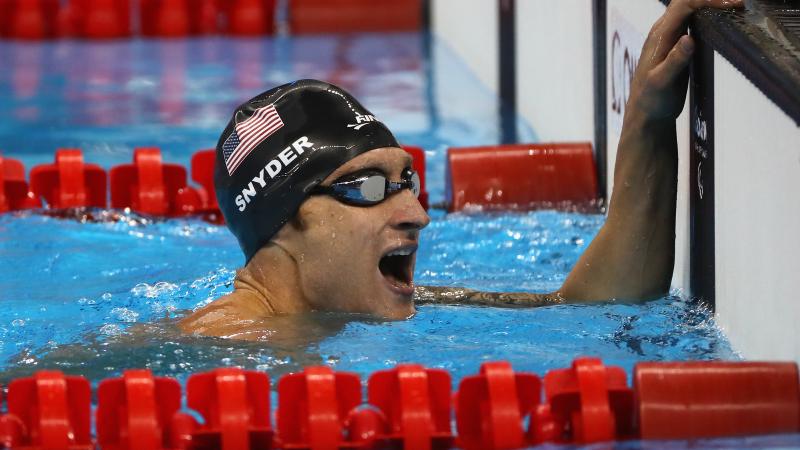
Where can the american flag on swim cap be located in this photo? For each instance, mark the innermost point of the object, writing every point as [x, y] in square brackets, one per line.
[248, 134]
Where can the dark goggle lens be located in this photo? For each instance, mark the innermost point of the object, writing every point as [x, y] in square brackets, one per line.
[371, 189]
[415, 183]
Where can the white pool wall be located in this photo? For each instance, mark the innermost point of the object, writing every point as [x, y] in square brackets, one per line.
[757, 218]
[470, 29]
[555, 69]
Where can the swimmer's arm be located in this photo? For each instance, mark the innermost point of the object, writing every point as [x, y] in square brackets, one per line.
[632, 256]
[462, 296]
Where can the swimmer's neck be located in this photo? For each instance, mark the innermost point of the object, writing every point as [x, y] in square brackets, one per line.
[264, 283]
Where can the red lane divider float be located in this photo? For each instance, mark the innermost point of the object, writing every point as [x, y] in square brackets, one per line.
[521, 176]
[235, 406]
[136, 410]
[14, 192]
[490, 407]
[202, 167]
[698, 400]
[68, 182]
[48, 411]
[419, 166]
[151, 187]
[416, 404]
[314, 407]
[147, 185]
[407, 407]
[589, 402]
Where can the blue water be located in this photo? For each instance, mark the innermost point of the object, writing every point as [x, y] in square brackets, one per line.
[97, 298]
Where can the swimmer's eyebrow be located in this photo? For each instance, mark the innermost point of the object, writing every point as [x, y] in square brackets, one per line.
[385, 167]
[358, 172]
[375, 167]
[379, 166]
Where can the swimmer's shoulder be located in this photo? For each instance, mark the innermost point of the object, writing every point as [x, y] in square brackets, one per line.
[223, 316]
[463, 296]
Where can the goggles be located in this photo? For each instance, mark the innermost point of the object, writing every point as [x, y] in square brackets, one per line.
[369, 188]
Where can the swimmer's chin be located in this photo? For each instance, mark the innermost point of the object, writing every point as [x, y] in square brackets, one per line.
[400, 313]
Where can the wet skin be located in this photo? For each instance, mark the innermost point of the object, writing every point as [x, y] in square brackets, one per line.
[329, 256]
[338, 248]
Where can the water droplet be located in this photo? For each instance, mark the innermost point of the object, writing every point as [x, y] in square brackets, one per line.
[124, 314]
[111, 329]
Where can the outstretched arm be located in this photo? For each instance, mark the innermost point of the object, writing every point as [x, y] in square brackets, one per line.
[633, 254]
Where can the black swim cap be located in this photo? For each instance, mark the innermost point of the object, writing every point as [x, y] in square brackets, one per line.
[279, 146]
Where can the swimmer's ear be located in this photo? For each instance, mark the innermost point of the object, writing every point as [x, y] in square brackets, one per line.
[293, 227]
[297, 222]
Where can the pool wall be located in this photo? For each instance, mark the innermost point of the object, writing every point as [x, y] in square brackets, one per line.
[547, 54]
[738, 215]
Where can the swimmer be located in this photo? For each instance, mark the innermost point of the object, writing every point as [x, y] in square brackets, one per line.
[322, 200]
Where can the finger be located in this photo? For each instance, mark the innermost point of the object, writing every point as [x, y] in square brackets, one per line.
[677, 14]
[679, 11]
[674, 64]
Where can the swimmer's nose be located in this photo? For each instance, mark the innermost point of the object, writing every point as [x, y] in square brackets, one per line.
[409, 215]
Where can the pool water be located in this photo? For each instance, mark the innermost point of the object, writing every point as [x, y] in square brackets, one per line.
[96, 298]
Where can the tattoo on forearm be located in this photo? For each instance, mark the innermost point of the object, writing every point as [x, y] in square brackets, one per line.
[462, 296]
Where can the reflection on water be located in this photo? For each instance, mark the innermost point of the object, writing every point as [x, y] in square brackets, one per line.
[455, 338]
[161, 347]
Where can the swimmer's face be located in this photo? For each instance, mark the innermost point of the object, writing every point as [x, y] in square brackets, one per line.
[359, 259]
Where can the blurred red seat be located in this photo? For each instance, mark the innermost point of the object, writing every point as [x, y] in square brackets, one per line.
[30, 19]
[250, 17]
[335, 16]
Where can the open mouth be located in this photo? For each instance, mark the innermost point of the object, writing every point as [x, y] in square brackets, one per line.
[397, 267]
